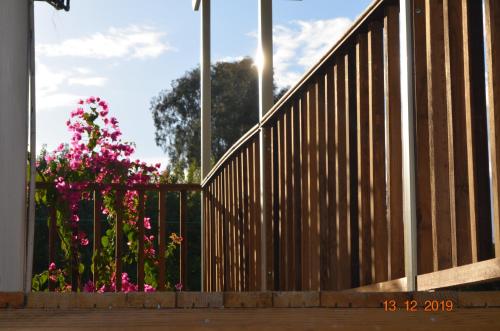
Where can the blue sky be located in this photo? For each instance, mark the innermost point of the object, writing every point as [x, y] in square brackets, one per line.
[127, 51]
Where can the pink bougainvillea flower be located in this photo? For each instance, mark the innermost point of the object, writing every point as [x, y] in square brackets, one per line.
[96, 154]
[149, 288]
[90, 100]
[147, 223]
[178, 286]
[89, 286]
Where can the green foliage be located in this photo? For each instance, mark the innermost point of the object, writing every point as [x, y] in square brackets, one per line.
[235, 108]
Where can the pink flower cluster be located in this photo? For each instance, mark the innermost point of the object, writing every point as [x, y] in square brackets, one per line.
[127, 286]
[97, 155]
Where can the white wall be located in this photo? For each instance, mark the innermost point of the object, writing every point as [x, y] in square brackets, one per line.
[14, 45]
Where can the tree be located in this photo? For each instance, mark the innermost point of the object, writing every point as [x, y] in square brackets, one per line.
[235, 109]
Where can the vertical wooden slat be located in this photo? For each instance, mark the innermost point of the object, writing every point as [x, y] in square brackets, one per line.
[225, 233]
[462, 130]
[234, 237]
[475, 69]
[207, 242]
[492, 18]
[441, 146]
[393, 136]
[322, 182]
[275, 194]
[204, 241]
[205, 233]
[207, 239]
[305, 211]
[239, 221]
[162, 238]
[297, 196]
[251, 216]
[424, 222]
[213, 233]
[282, 202]
[364, 187]
[230, 226]
[140, 249]
[221, 231]
[289, 199]
[184, 248]
[235, 224]
[208, 225]
[217, 239]
[377, 151]
[258, 226]
[313, 182]
[342, 191]
[213, 253]
[332, 178]
[245, 220]
[118, 239]
[52, 237]
[224, 230]
[352, 164]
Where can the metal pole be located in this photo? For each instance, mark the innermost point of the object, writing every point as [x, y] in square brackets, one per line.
[206, 109]
[408, 142]
[265, 103]
[32, 187]
[14, 64]
[206, 90]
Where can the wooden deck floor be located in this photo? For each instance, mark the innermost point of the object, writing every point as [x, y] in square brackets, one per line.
[247, 311]
[261, 319]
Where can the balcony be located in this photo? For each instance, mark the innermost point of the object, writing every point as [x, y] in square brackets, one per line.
[307, 209]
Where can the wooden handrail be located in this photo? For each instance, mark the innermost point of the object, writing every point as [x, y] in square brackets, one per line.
[134, 187]
[250, 134]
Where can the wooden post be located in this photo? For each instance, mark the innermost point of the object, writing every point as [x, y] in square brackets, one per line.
[14, 64]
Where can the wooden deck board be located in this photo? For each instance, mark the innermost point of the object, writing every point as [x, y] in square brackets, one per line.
[249, 319]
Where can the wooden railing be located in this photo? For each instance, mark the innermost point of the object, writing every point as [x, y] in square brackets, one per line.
[120, 190]
[334, 154]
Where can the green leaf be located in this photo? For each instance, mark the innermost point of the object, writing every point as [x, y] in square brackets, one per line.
[81, 268]
[104, 241]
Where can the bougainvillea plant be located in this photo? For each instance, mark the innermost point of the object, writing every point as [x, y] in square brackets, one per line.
[97, 155]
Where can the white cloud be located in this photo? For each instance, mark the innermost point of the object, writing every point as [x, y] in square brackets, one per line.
[230, 59]
[50, 85]
[88, 81]
[298, 45]
[130, 42]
